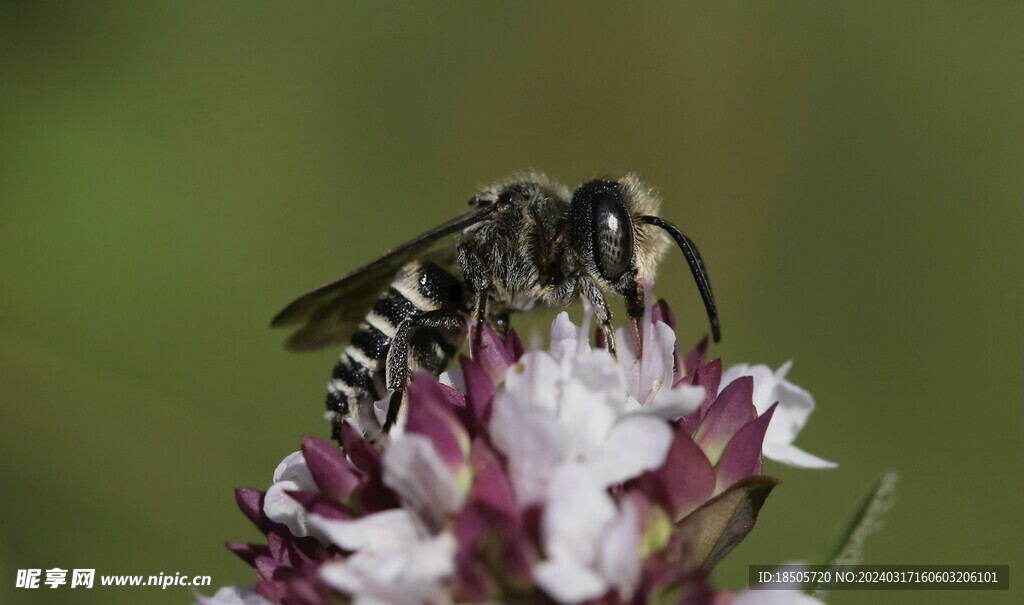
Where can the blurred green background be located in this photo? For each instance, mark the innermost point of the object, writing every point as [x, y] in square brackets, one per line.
[172, 174]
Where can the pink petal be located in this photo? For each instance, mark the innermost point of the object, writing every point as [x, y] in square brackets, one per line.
[250, 502]
[305, 591]
[266, 566]
[662, 312]
[489, 527]
[710, 377]
[480, 390]
[274, 591]
[430, 415]
[248, 552]
[374, 495]
[491, 353]
[686, 479]
[513, 345]
[484, 530]
[732, 409]
[695, 357]
[707, 375]
[283, 550]
[492, 486]
[742, 457]
[332, 472]
[359, 450]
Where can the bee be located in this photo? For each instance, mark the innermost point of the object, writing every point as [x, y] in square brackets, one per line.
[526, 241]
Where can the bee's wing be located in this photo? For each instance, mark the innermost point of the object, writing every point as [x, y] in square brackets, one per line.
[330, 313]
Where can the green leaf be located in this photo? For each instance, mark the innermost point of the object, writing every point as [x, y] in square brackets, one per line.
[710, 532]
[849, 548]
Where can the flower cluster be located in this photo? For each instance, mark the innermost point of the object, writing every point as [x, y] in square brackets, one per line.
[560, 476]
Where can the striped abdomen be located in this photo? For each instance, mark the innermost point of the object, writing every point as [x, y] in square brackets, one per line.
[359, 377]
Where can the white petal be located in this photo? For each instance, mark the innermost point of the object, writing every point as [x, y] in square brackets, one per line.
[620, 559]
[794, 409]
[774, 597]
[380, 414]
[732, 373]
[633, 407]
[567, 581]
[578, 510]
[533, 442]
[765, 382]
[410, 575]
[414, 469]
[525, 426]
[291, 475]
[791, 455]
[672, 404]
[653, 371]
[233, 595]
[533, 383]
[659, 355]
[593, 396]
[565, 337]
[454, 379]
[282, 508]
[293, 468]
[433, 559]
[635, 444]
[391, 528]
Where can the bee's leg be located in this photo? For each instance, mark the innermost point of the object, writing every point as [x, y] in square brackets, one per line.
[564, 292]
[472, 268]
[478, 282]
[397, 362]
[634, 296]
[601, 312]
[396, 368]
[479, 317]
[394, 405]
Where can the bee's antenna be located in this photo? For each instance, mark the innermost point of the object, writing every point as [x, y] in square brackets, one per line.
[700, 274]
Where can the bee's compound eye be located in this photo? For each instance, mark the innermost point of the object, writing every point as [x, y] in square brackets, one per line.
[613, 234]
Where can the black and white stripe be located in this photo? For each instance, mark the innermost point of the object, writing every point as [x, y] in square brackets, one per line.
[359, 376]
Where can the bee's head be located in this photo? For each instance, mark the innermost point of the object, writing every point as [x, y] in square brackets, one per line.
[614, 248]
[616, 234]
